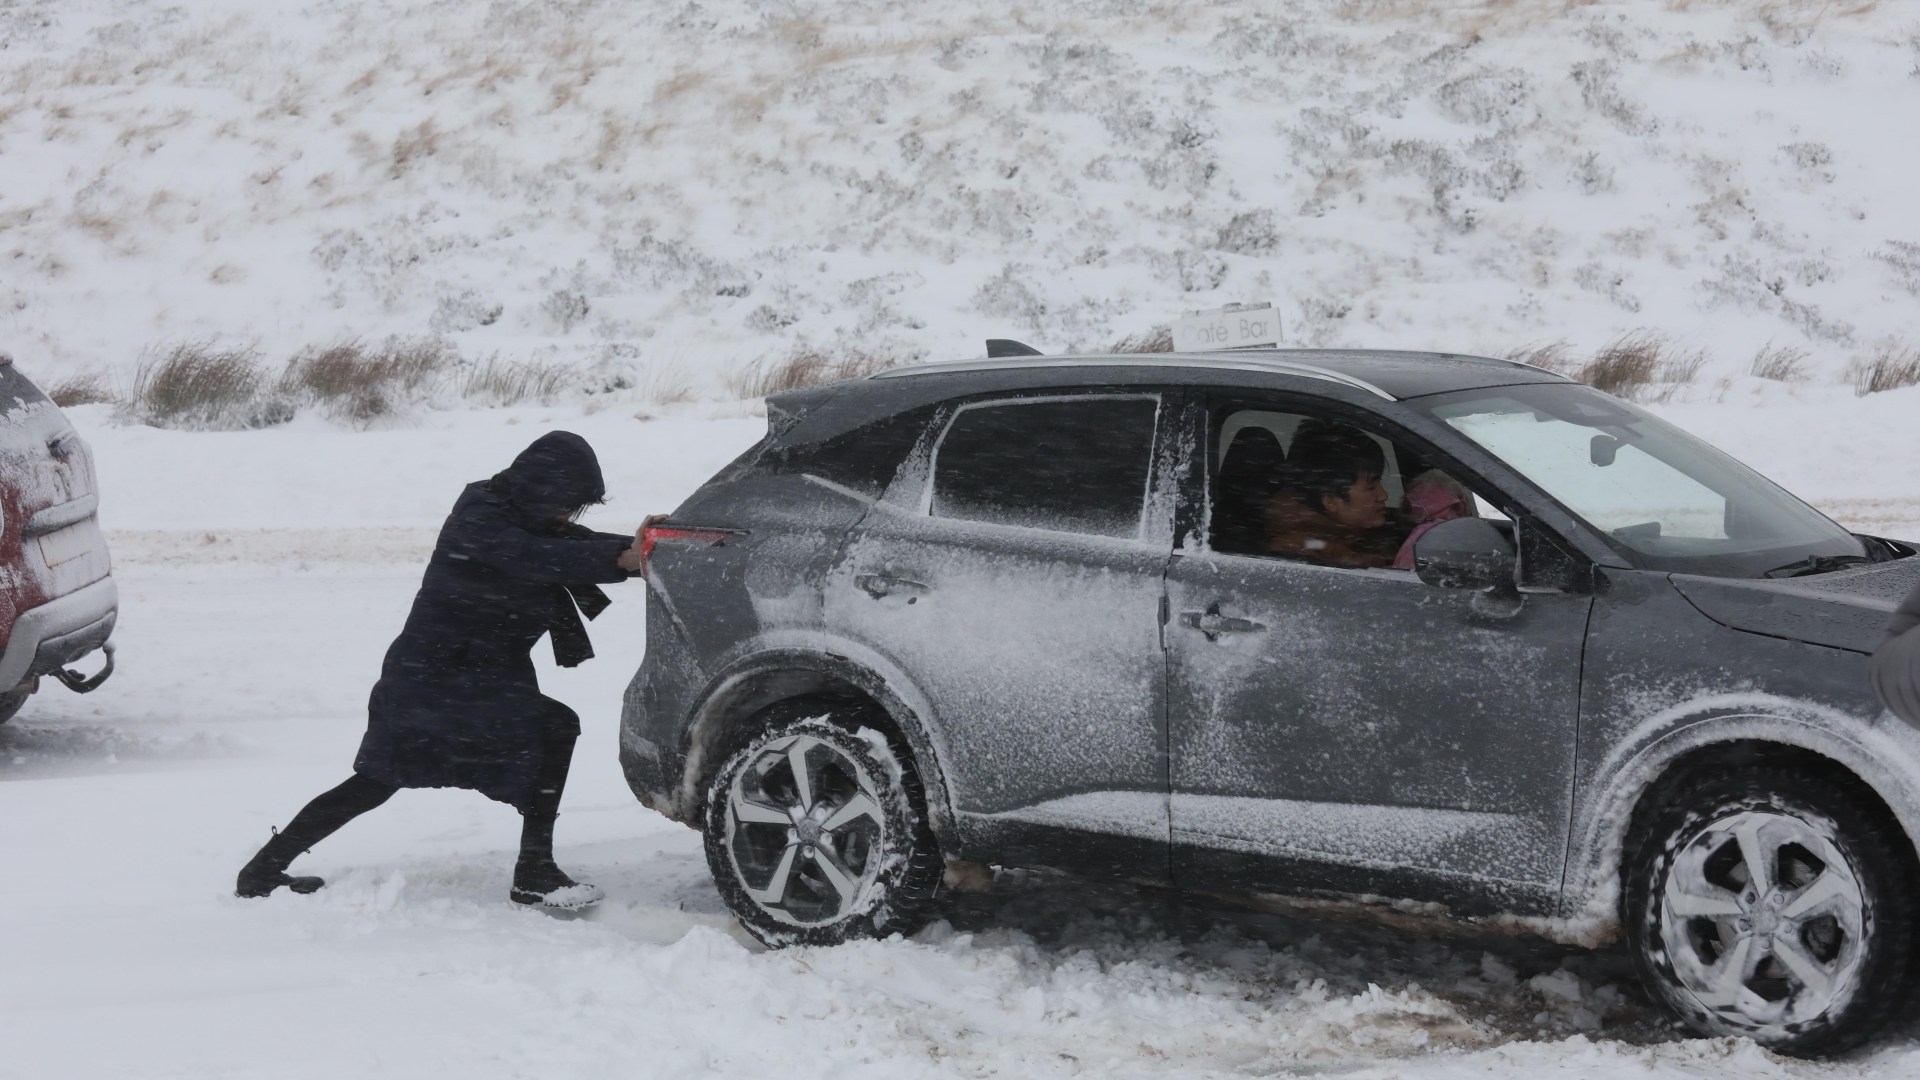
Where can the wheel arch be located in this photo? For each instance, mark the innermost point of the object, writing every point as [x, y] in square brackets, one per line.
[1878, 758]
[722, 716]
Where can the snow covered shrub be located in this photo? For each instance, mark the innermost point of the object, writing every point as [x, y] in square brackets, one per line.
[1781, 363]
[467, 310]
[1903, 258]
[88, 388]
[1155, 339]
[1593, 175]
[1599, 88]
[201, 387]
[354, 383]
[1199, 271]
[1812, 159]
[1252, 232]
[1496, 98]
[567, 308]
[1011, 295]
[1892, 367]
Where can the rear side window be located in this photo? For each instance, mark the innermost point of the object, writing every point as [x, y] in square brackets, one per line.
[1063, 465]
[864, 459]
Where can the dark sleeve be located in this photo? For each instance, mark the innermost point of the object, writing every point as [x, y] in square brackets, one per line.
[1896, 666]
[489, 537]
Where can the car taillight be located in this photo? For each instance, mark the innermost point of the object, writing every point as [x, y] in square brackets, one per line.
[654, 534]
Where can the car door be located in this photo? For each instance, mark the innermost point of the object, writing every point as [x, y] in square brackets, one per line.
[1014, 572]
[1353, 730]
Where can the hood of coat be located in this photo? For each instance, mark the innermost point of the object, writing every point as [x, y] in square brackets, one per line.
[1846, 609]
[553, 477]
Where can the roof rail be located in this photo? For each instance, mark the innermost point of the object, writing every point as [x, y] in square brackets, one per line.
[1207, 360]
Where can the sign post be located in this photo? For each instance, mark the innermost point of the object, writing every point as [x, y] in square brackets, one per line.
[1236, 326]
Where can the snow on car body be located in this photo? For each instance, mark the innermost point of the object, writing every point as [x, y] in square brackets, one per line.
[1009, 568]
[58, 600]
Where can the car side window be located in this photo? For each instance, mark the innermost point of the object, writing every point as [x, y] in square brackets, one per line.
[1066, 465]
[1297, 486]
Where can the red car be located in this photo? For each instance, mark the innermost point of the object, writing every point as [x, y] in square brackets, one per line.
[58, 601]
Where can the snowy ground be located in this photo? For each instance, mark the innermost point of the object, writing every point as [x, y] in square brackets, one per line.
[262, 575]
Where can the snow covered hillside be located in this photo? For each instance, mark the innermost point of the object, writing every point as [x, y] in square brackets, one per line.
[668, 190]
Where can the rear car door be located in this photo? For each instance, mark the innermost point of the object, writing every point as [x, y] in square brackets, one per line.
[1014, 571]
[1353, 730]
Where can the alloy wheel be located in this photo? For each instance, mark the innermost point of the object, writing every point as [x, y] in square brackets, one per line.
[805, 831]
[1764, 921]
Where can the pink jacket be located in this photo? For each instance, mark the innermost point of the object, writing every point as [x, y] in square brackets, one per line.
[1432, 499]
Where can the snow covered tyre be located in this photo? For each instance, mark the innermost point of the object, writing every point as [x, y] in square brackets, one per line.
[817, 834]
[1768, 902]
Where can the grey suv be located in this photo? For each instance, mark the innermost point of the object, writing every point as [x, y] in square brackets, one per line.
[1057, 612]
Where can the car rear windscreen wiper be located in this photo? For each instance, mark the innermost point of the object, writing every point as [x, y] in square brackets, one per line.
[1818, 564]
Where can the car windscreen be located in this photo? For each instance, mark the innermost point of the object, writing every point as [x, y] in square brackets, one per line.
[1663, 498]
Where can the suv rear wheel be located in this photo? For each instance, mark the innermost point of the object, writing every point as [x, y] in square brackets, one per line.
[1768, 902]
[817, 832]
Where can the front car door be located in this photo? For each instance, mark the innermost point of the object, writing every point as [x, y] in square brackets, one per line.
[1014, 570]
[1352, 730]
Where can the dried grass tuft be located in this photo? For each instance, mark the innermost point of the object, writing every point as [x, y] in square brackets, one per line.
[90, 388]
[355, 383]
[1781, 363]
[1157, 339]
[1554, 356]
[515, 382]
[805, 366]
[200, 386]
[1893, 367]
[1633, 365]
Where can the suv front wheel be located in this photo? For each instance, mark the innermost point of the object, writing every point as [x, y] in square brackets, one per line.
[817, 832]
[1768, 902]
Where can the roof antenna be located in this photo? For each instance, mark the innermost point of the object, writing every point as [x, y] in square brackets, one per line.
[999, 348]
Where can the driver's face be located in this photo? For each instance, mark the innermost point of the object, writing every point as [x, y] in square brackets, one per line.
[1365, 506]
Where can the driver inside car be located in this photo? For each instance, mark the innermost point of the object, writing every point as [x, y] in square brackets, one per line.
[1332, 507]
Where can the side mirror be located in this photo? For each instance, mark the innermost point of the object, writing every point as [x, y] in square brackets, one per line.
[1465, 553]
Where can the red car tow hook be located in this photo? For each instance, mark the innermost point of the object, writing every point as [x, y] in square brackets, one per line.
[82, 684]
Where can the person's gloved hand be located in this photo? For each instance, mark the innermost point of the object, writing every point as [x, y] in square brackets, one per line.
[630, 558]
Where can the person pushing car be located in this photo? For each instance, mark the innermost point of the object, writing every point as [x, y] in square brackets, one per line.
[457, 703]
[1896, 665]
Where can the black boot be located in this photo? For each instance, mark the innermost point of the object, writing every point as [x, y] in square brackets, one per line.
[315, 822]
[543, 883]
[267, 870]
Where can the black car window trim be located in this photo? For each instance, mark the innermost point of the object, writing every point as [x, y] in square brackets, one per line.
[953, 410]
[1212, 404]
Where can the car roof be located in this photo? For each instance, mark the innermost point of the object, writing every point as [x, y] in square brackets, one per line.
[1388, 374]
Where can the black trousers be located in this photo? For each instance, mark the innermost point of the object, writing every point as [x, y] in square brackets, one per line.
[360, 793]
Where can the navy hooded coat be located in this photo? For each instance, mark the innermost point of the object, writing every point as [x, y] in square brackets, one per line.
[457, 704]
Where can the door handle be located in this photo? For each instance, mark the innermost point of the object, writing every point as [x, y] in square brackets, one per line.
[1211, 623]
[881, 586]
